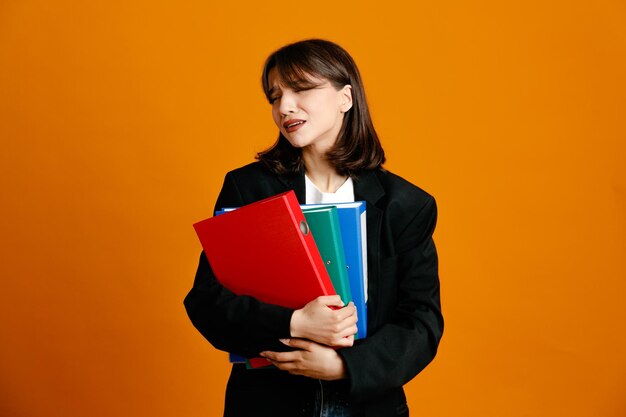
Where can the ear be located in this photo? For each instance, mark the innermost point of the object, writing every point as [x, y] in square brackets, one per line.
[346, 98]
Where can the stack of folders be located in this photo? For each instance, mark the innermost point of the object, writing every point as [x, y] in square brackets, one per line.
[353, 227]
[329, 252]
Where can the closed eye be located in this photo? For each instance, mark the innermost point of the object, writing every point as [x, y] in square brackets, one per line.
[303, 89]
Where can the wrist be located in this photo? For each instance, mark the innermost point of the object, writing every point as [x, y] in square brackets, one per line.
[294, 323]
[338, 368]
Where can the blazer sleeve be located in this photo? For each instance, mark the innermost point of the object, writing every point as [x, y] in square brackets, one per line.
[408, 341]
[237, 324]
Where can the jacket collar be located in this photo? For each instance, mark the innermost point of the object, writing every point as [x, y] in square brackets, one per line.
[295, 182]
[367, 186]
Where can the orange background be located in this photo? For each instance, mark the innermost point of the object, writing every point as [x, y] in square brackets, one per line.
[119, 119]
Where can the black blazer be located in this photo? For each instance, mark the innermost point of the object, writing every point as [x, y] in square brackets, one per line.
[404, 313]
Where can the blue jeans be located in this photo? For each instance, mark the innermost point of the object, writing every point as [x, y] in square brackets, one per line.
[330, 403]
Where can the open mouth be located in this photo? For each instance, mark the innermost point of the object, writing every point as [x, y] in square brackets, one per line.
[293, 125]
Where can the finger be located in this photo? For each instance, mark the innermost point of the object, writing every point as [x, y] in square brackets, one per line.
[280, 357]
[344, 342]
[350, 331]
[302, 344]
[289, 367]
[347, 311]
[343, 327]
[330, 300]
[283, 366]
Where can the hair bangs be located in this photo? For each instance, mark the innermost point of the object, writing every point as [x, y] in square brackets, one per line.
[293, 72]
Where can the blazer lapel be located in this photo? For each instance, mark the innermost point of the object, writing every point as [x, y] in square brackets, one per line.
[367, 187]
[295, 183]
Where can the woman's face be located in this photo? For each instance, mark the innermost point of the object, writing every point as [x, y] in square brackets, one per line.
[310, 117]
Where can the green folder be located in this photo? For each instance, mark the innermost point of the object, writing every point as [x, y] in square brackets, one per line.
[325, 228]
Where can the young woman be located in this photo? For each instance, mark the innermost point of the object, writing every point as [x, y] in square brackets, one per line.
[328, 151]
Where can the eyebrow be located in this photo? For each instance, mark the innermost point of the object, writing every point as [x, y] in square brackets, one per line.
[297, 84]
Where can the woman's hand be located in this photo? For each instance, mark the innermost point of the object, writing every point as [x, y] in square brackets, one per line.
[312, 360]
[316, 321]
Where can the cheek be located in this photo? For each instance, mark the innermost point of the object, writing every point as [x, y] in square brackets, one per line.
[328, 107]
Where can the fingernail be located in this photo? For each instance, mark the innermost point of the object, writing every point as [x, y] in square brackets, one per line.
[262, 354]
[285, 341]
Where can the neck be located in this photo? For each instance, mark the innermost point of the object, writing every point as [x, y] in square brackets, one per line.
[322, 173]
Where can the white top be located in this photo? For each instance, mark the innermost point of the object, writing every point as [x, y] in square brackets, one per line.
[345, 193]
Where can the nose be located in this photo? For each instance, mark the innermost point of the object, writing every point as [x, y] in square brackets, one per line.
[287, 103]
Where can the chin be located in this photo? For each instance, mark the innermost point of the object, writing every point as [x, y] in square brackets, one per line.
[297, 143]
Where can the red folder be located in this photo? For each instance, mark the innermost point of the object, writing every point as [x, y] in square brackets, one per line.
[266, 250]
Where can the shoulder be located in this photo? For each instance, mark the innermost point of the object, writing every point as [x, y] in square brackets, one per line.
[253, 170]
[402, 192]
[408, 211]
[253, 182]
[254, 174]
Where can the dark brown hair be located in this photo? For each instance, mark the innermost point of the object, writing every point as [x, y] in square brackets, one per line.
[357, 147]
